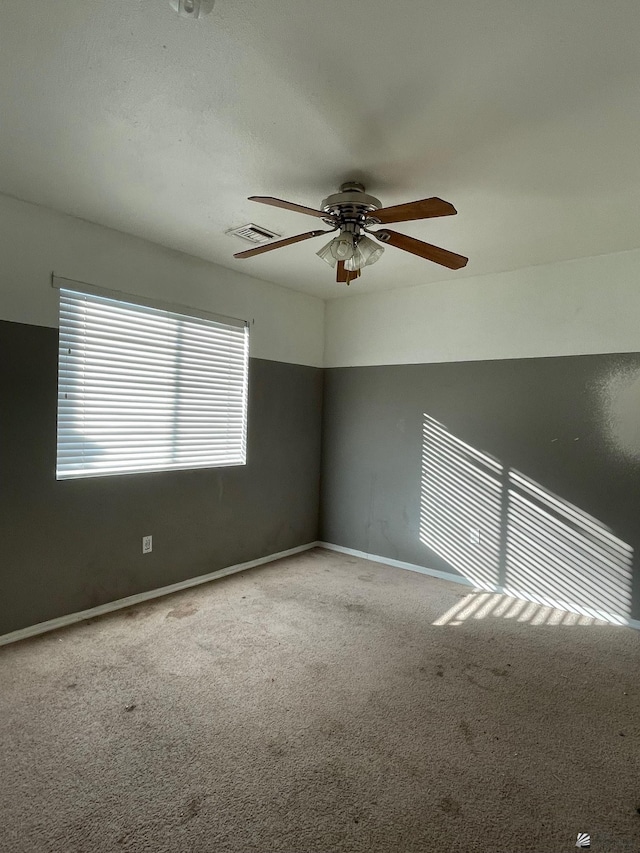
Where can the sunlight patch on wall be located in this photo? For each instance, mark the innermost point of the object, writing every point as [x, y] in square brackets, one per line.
[461, 494]
[506, 533]
[559, 553]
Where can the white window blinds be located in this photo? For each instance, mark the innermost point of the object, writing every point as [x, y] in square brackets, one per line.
[147, 389]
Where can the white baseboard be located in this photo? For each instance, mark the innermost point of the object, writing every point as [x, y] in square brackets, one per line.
[71, 618]
[449, 576]
[63, 621]
[398, 564]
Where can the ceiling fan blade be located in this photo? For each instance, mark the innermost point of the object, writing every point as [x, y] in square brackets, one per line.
[289, 205]
[428, 208]
[423, 250]
[345, 276]
[279, 243]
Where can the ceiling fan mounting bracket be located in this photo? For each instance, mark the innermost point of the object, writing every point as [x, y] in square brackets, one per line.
[352, 187]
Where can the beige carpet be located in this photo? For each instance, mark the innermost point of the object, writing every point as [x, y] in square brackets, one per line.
[313, 705]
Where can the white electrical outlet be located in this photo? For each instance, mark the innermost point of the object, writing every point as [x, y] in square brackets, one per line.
[147, 544]
[474, 535]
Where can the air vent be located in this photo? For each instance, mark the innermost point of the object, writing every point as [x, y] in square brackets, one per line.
[253, 233]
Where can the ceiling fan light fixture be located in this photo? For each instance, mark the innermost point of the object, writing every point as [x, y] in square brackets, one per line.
[355, 263]
[326, 254]
[367, 252]
[343, 246]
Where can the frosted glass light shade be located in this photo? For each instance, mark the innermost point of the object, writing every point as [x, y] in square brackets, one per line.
[371, 251]
[343, 246]
[367, 252]
[326, 254]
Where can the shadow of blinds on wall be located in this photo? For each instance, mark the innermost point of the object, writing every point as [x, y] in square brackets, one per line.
[506, 532]
[147, 388]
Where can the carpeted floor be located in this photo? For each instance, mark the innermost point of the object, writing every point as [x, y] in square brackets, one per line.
[313, 705]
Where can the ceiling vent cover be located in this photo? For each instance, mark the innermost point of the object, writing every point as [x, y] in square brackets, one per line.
[253, 233]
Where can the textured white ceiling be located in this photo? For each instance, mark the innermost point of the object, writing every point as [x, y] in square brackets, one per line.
[525, 115]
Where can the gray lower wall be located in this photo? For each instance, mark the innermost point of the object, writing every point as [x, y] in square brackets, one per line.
[541, 455]
[70, 545]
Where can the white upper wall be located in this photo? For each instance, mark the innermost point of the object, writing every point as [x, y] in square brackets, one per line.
[590, 305]
[35, 241]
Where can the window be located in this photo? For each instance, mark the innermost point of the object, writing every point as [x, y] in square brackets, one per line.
[144, 388]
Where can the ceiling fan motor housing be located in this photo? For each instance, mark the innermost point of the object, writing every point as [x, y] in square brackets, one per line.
[352, 207]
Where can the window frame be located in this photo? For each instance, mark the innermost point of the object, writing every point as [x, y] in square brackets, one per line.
[82, 288]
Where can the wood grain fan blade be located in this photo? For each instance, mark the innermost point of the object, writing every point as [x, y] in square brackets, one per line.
[289, 205]
[280, 243]
[423, 250]
[428, 208]
[345, 276]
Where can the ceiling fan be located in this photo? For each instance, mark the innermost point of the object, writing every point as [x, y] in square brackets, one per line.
[352, 212]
